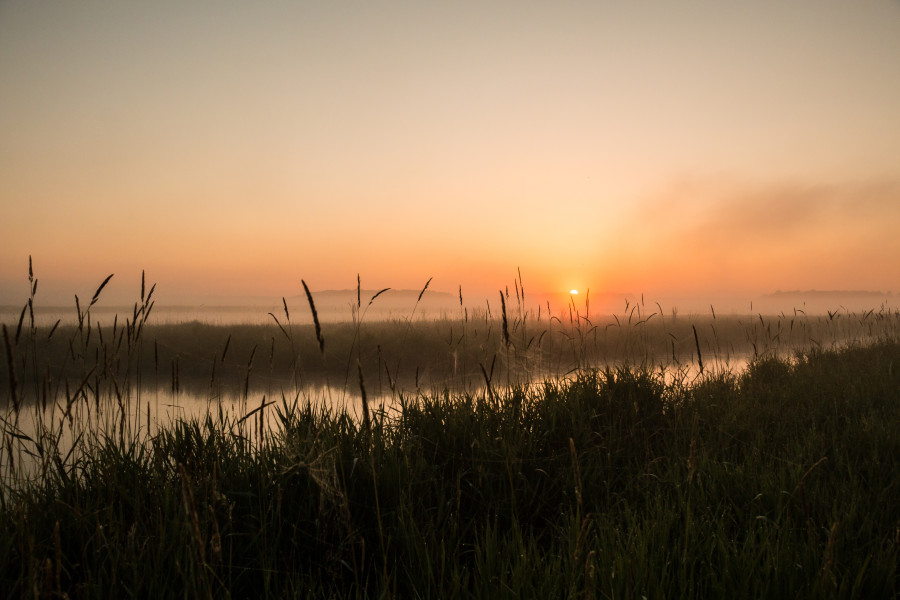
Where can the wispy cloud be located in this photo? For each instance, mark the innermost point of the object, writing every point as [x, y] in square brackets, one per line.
[774, 234]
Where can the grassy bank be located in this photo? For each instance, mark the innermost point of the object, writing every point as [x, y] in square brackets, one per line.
[780, 481]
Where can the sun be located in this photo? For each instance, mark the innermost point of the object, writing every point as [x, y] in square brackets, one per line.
[573, 292]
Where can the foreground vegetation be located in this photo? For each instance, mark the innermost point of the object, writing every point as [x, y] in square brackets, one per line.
[778, 482]
[625, 481]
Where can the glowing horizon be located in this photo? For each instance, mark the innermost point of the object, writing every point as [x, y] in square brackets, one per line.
[232, 149]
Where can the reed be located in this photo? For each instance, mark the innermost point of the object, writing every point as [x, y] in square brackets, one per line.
[505, 324]
[315, 316]
[11, 369]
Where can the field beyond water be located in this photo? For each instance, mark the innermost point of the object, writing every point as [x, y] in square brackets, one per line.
[606, 480]
[462, 354]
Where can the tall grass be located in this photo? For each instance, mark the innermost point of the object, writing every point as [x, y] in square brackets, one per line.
[618, 481]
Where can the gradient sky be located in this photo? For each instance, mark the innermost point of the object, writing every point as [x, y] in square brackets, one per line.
[660, 147]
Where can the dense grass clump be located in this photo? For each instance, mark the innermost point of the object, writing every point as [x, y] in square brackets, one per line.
[778, 481]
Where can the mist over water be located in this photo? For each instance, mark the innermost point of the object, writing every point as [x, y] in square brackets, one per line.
[331, 305]
[334, 306]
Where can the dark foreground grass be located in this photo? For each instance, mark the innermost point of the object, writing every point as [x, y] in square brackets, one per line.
[781, 481]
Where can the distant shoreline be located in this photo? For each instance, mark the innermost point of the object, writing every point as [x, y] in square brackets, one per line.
[341, 305]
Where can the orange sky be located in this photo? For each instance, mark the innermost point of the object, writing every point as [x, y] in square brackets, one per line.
[232, 148]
